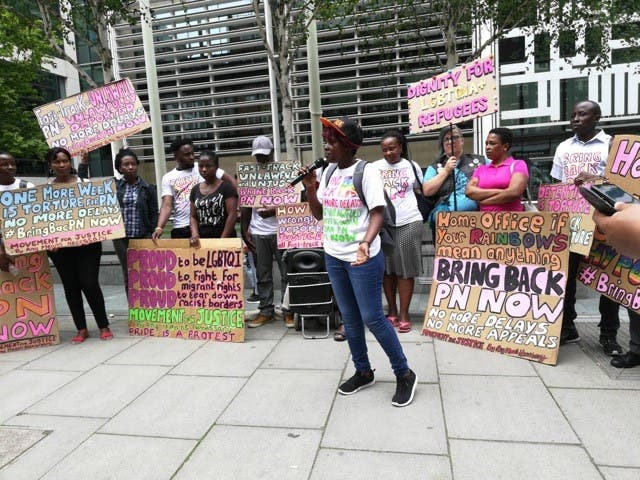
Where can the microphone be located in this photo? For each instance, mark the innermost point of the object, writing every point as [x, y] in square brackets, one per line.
[317, 164]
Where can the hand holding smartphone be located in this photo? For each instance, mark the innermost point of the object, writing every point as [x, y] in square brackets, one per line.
[604, 196]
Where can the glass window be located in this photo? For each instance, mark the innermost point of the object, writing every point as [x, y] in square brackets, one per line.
[567, 44]
[542, 53]
[572, 90]
[512, 50]
[519, 96]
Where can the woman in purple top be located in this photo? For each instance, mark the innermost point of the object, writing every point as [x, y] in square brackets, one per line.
[499, 185]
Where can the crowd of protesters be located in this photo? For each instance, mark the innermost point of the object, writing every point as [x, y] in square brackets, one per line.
[203, 202]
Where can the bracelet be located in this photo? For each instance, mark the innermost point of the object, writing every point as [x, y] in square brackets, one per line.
[365, 241]
[158, 228]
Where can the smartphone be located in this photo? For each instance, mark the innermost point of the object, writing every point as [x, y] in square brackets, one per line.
[604, 196]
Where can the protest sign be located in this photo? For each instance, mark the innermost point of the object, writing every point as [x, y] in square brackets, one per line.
[60, 215]
[94, 118]
[463, 93]
[605, 270]
[27, 308]
[611, 274]
[499, 282]
[565, 197]
[623, 165]
[265, 185]
[182, 292]
[297, 227]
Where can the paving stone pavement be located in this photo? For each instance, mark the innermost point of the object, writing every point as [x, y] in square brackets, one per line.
[148, 408]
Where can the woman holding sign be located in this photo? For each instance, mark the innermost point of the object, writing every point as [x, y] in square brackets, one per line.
[78, 267]
[499, 185]
[139, 205]
[399, 178]
[353, 254]
[214, 203]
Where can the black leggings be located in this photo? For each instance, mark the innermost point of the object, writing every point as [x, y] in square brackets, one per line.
[78, 268]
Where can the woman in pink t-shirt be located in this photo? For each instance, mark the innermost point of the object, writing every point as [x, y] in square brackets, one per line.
[499, 185]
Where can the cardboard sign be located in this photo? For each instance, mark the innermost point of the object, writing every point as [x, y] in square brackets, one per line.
[499, 282]
[611, 274]
[267, 185]
[182, 292]
[60, 215]
[27, 308]
[461, 94]
[94, 118]
[605, 270]
[623, 165]
[297, 227]
[565, 197]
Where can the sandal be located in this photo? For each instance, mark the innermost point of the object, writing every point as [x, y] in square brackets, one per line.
[404, 326]
[339, 335]
[81, 336]
[105, 334]
[393, 320]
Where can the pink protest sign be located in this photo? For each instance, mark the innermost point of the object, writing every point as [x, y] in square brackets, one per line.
[183, 292]
[265, 185]
[297, 227]
[94, 118]
[27, 308]
[623, 166]
[605, 270]
[464, 93]
[565, 197]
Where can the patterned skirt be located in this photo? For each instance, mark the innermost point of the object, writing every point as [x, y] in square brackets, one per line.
[406, 261]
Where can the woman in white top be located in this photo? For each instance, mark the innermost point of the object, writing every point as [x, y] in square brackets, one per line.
[353, 256]
[399, 178]
[8, 181]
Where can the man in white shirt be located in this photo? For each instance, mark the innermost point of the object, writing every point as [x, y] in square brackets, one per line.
[259, 227]
[586, 151]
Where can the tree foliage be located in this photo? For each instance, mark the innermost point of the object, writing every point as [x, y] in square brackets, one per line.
[444, 27]
[23, 51]
[290, 20]
[79, 22]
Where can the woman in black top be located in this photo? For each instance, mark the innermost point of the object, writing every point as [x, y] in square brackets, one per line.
[214, 203]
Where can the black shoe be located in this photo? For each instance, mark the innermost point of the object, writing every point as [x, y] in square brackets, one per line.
[610, 346]
[405, 388]
[357, 383]
[253, 298]
[628, 360]
[569, 335]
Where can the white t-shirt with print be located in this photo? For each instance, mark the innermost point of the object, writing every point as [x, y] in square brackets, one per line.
[15, 185]
[344, 216]
[574, 156]
[262, 226]
[399, 180]
[178, 184]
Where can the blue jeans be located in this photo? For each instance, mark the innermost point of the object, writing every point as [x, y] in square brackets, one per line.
[358, 291]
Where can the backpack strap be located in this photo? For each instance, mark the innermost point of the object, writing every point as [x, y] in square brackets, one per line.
[418, 179]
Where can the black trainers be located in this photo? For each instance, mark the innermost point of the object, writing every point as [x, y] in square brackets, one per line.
[405, 388]
[357, 383]
[569, 335]
[610, 345]
[253, 298]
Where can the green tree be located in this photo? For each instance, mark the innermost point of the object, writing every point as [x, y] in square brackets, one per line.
[23, 50]
[290, 21]
[445, 27]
